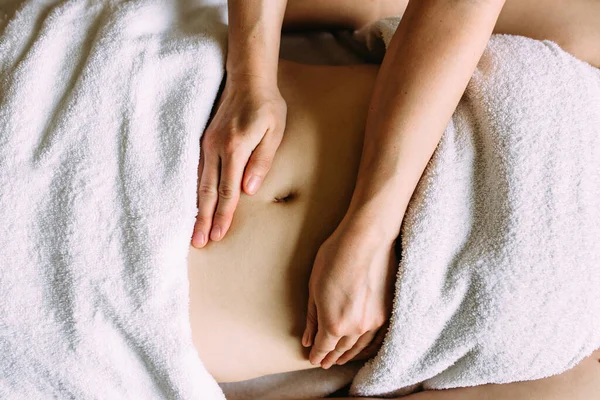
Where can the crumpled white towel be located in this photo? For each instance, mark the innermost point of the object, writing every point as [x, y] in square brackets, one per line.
[500, 267]
[102, 104]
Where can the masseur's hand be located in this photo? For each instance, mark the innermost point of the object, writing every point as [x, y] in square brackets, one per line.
[236, 151]
[350, 295]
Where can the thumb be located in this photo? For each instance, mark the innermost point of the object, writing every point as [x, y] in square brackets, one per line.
[311, 323]
[260, 162]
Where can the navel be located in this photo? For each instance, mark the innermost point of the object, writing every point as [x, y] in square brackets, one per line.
[288, 197]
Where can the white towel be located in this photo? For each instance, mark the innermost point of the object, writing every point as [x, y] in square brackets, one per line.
[102, 104]
[500, 268]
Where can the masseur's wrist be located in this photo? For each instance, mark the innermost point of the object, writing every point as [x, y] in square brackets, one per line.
[378, 205]
[244, 77]
[254, 38]
[253, 66]
[372, 225]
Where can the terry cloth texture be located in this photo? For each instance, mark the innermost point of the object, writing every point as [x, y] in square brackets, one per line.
[500, 266]
[102, 105]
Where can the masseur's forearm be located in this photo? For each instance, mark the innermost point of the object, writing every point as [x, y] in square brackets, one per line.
[424, 73]
[254, 37]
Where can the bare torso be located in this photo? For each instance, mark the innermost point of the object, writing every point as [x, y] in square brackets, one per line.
[248, 292]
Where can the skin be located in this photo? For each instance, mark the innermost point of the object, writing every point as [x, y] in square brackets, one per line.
[241, 141]
[579, 383]
[248, 291]
[424, 73]
[435, 50]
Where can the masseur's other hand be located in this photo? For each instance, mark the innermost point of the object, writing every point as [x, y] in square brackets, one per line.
[350, 295]
[236, 152]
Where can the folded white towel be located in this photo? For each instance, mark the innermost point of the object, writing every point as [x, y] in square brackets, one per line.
[500, 267]
[102, 104]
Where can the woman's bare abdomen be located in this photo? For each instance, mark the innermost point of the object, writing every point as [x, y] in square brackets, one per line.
[248, 292]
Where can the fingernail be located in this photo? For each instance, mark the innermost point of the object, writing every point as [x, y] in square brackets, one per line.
[215, 234]
[200, 239]
[253, 184]
[304, 340]
[326, 366]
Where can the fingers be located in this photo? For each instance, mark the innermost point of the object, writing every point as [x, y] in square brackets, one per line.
[220, 185]
[207, 197]
[260, 162]
[311, 323]
[360, 344]
[232, 169]
[324, 343]
[345, 344]
[373, 347]
[197, 239]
